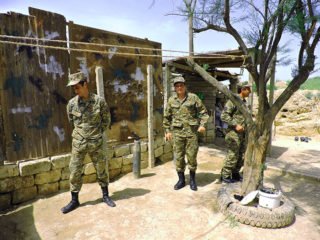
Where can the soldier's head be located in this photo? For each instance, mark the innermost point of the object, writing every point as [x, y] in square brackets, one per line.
[179, 85]
[244, 90]
[79, 82]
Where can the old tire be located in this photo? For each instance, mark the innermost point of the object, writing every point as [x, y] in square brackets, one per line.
[255, 216]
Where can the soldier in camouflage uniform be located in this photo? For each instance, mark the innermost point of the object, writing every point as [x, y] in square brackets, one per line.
[90, 117]
[184, 117]
[235, 138]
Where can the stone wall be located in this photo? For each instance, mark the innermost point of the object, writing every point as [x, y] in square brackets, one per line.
[27, 180]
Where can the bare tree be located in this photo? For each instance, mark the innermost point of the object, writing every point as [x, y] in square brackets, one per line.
[267, 21]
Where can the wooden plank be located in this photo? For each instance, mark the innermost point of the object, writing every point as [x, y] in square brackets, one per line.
[125, 78]
[56, 135]
[33, 89]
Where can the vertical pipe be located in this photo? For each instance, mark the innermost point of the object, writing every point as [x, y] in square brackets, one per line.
[136, 159]
[151, 161]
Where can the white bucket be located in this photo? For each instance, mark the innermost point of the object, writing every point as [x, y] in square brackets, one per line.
[269, 200]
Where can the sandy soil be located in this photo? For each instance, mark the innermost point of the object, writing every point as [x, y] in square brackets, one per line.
[149, 208]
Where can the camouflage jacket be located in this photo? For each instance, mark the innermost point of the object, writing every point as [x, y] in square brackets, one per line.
[232, 115]
[185, 115]
[89, 118]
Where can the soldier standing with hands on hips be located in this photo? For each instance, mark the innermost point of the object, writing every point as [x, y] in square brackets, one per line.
[90, 117]
[184, 117]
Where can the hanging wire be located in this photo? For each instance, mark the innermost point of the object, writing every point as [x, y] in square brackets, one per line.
[208, 55]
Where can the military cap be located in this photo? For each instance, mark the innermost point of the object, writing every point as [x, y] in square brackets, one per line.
[244, 85]
[75, 78]
[179, 79]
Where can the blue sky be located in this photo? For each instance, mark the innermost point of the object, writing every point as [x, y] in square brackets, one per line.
[138, 18]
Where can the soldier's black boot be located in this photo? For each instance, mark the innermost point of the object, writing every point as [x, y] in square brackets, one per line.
[227, 180]
[193, 184]
[237, 177]
[105, 197]
[181, 182]
[73, 204]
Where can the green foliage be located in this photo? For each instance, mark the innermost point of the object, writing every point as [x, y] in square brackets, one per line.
[205, 66]
[254, 87]
[311, 84]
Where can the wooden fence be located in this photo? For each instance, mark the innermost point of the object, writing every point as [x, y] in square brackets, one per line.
[33, 92]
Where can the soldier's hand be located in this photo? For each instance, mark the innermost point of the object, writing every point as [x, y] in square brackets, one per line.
[168, 136]
[239, 128]
[201, 129]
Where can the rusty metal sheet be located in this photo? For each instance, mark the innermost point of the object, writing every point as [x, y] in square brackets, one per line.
[125, 77]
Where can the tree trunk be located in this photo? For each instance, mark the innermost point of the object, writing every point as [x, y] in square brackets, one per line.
[254, 159]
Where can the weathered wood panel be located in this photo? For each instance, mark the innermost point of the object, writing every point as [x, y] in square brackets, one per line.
[33, 103]
[125, 78]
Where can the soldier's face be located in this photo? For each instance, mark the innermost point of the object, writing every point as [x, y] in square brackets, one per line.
[246, 92]
[81, 91]
[180, 88]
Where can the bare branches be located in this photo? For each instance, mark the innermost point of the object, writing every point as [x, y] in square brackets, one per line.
[232, 30]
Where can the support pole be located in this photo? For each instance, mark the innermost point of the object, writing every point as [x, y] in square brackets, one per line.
[100, 92]
[166, 86]
[151, 161]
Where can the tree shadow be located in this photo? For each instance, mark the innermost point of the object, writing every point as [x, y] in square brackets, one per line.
[19, 225]
[277, 151]
[129, 193]
[205, 178]
[120, 195]
[301, 192]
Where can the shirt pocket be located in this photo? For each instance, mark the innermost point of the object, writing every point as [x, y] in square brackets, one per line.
[175, 108]
[76, 116]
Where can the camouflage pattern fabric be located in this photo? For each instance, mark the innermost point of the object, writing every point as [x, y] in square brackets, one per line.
[183, 118]
[90, 119]
[236, 141]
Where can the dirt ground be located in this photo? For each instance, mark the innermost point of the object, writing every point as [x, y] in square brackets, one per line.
[149, 208]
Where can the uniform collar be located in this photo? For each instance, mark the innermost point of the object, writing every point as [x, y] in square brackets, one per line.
[89, 100]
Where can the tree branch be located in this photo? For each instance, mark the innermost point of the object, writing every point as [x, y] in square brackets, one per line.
[214, 82]
[232, 30]
[210, 27]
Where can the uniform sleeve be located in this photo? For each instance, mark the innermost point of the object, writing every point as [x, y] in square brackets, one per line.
[227, 114]
[202, 112]
[167, 117]
[69, 115]
[105, 115]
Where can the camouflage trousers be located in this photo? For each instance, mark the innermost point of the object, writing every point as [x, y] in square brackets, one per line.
[185, 146]
[98, 157]
[235, 157]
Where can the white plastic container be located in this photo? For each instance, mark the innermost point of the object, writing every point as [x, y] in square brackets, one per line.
[269, 199]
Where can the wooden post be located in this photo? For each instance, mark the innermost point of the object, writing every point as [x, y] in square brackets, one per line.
[151, 161]
[166, 86]
[99, 81]
[100, 92]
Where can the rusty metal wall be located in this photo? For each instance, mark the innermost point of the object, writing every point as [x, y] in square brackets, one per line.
[125, 78]
[33, 93]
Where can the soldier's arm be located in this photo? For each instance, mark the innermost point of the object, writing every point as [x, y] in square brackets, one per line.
[105, 115]
[69, 115]
[227, 114]
[167, 117]
[202, 112]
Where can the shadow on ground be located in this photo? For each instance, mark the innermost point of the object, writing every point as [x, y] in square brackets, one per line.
[205, 178]
[19, 225]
